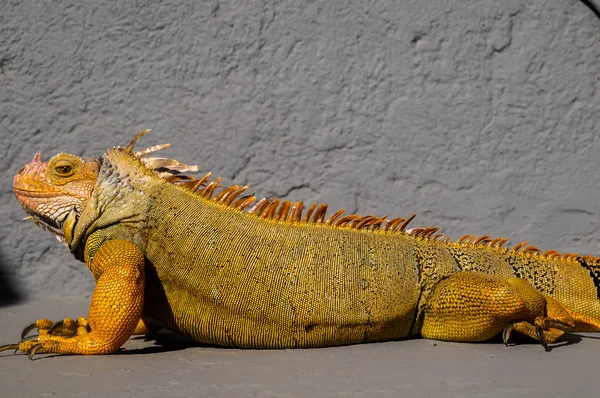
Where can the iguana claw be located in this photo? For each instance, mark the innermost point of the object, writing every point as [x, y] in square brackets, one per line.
[506, 333]
[41, 324]
[540, 335]
[28, 329]
[30, 339]
[539, 331]
[9, 347]
[17, 346]
[33, 350]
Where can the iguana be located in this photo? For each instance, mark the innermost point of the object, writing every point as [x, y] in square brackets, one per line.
[215, 264]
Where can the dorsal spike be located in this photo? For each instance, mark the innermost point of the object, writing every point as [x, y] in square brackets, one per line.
[259, 206]
[423, 233]
[283, 210]
[430, 232]
[269, 212]
[225, 192]
[551, 253]
[441, 238]
[420, 232]
[235, 194]
[356, 224]
[292, 212]
[243, 202]
[208, 191]
[463, 238]
[139, 135]
[298, 214]
[472, 239]
[334, 216]
[309, 212]
[152, 149]
[414, 231]
[501, 242]
[179, 179]
[391, 223]
[492, 242]
[365, 221]
[481, 239]
[531, 249]
[519, 246]
[346, 219]
[319, 215]
[201, 181]
[194, 185]
[376, 224]
[405, 224]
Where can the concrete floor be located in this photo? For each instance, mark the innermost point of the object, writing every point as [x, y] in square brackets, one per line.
[176, 367]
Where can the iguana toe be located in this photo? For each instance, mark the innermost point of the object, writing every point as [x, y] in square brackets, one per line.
[506, 333]
[69, 327]
[6, 347]
[35, 349]
[540, 336]
[42, 325]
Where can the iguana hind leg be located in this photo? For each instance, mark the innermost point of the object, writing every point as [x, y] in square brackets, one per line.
[473, 306]
[115, 310]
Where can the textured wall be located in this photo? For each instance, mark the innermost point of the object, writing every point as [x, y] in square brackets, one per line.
[479, 115]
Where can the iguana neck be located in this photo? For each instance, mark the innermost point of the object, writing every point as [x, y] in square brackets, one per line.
[119, 197]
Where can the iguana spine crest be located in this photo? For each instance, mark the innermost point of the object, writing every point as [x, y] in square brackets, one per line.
[293, 211]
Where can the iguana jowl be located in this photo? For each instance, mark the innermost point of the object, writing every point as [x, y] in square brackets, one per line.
[170, 251]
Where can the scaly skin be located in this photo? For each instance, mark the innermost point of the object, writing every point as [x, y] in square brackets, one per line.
[167, 251]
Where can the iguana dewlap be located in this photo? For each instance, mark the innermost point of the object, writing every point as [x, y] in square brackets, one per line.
[170, 251]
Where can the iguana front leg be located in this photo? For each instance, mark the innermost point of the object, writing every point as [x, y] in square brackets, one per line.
[115, 310]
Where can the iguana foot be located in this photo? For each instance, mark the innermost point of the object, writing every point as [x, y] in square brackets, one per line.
[544, 336]
[49, 334]
[45, 327]
[473, 306]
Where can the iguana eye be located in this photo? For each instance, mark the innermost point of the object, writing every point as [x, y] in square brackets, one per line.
[63, 169]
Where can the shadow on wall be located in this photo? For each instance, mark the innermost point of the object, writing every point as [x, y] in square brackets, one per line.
[9, 292]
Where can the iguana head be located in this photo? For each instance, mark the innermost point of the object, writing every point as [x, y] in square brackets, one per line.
[53, 192]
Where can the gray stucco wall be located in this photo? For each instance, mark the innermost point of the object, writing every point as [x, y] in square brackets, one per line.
[479, 115]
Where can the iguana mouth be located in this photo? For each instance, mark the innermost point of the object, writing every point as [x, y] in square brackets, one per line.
[45, 222]
[54, 226]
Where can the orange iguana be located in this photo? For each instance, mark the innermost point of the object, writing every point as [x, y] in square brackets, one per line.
[170, 251]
